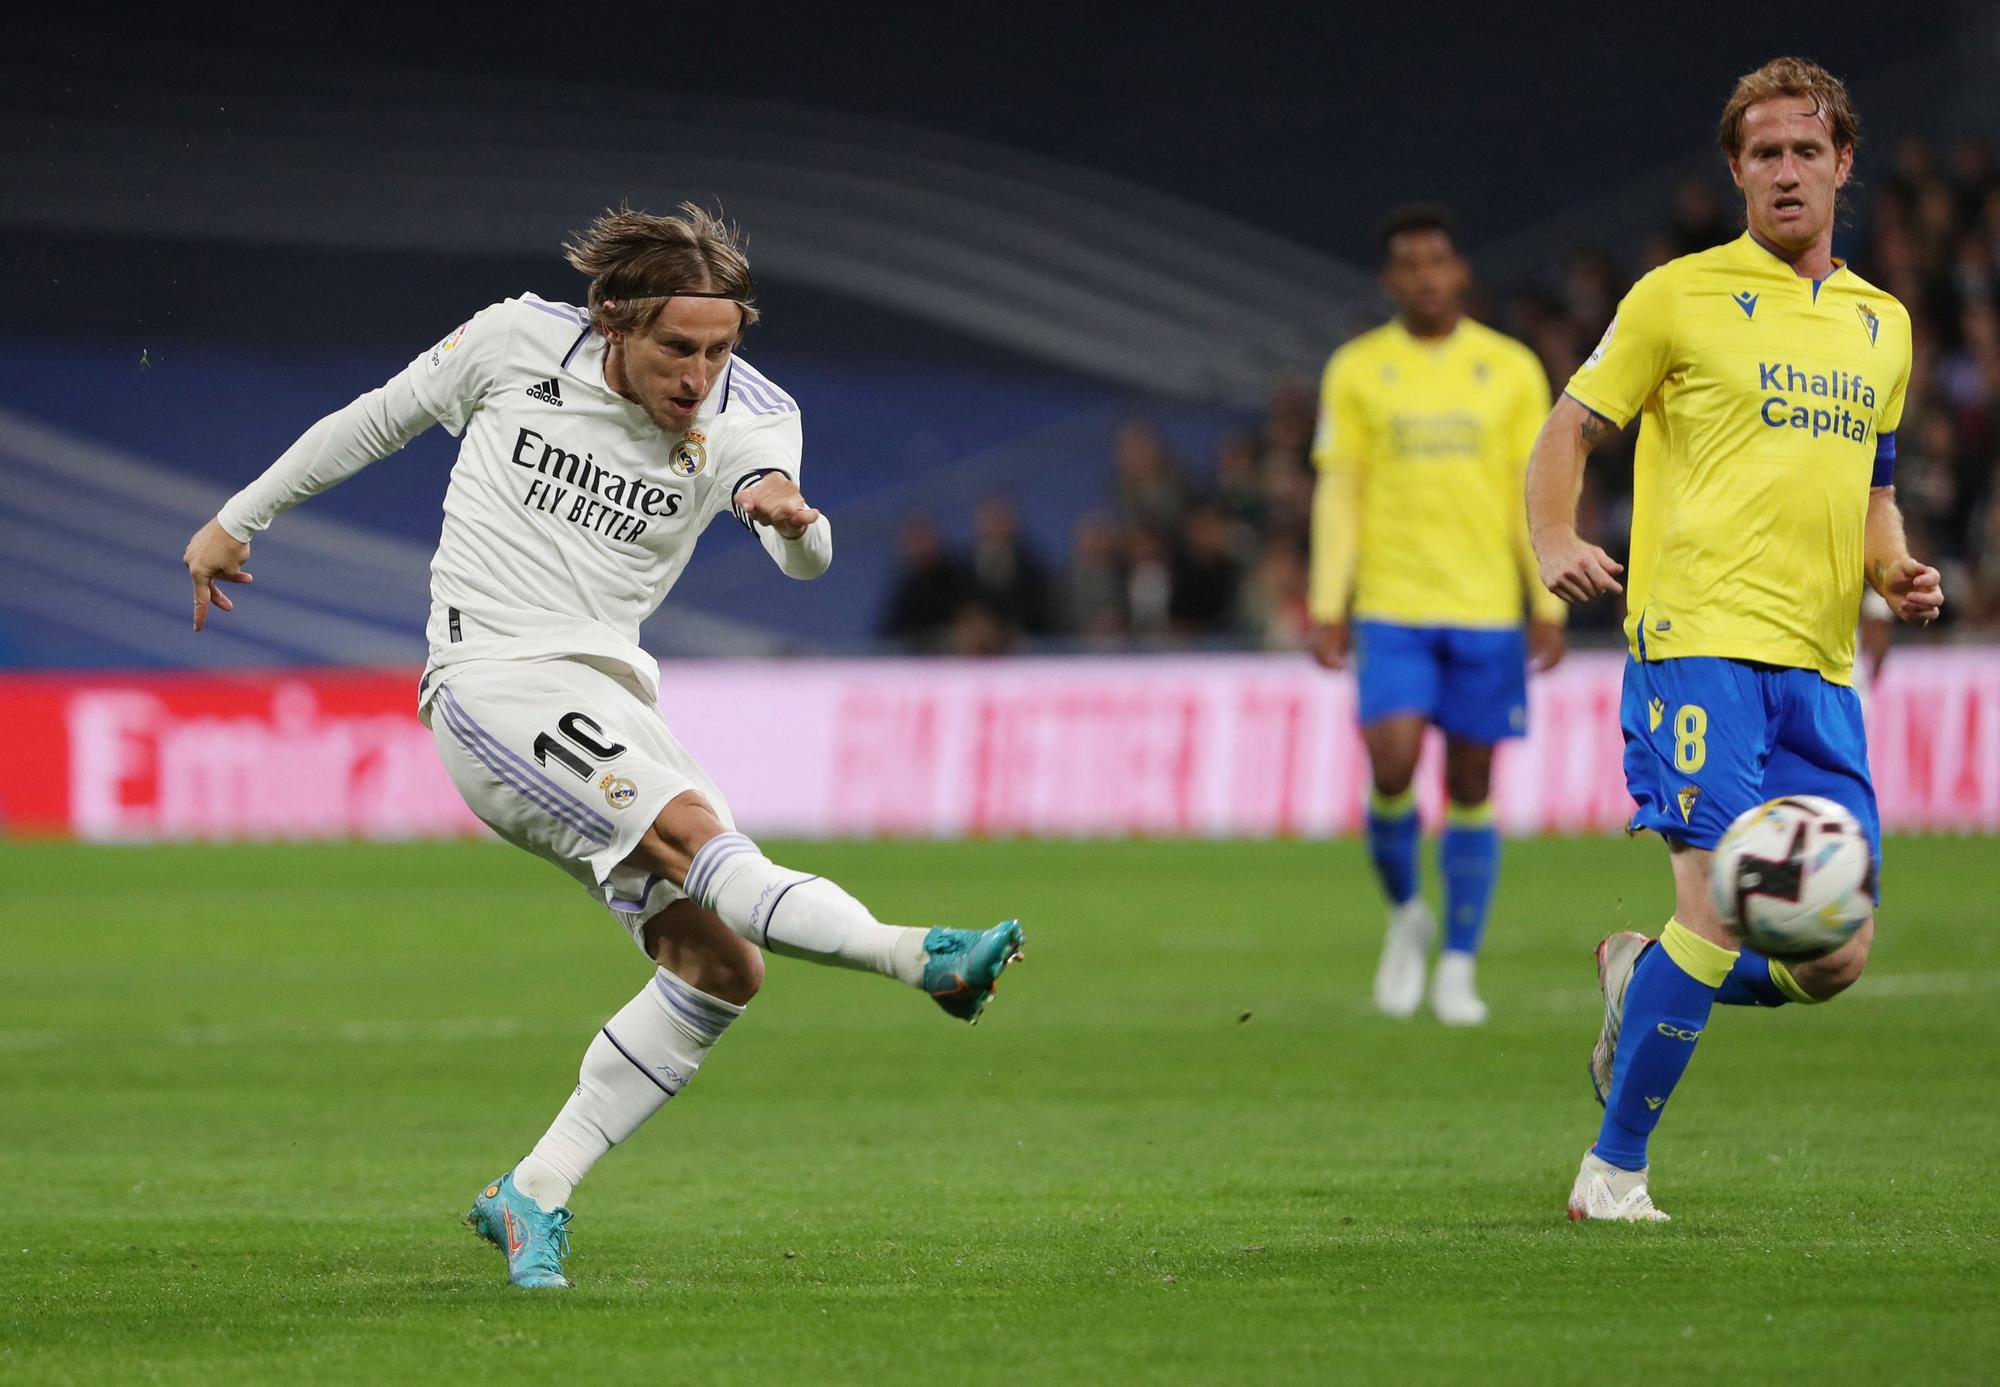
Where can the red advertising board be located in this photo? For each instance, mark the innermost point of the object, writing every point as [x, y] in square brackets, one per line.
[1250, 746]
[293, 755]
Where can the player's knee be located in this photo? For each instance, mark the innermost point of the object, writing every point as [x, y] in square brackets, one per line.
[731, 970]
[1391, 781]
[1825, 978]
[734, 972]
[1468, 772]
[1694, 904]
[1395, 744]
[697, 947]
[1468, 785]
[1392, 771]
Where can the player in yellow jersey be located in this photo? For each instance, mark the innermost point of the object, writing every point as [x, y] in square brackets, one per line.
[1768, 378]
[1422, 574]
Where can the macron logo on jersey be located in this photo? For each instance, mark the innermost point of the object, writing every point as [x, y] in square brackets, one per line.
[1746, 301]
[548, 392]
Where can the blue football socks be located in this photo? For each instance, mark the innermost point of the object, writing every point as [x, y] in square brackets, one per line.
[1469, 859]
[1392, 842]
[1666, 1009]
[1753, 982]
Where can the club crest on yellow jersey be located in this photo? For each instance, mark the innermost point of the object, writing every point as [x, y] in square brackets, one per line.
[1869, 321]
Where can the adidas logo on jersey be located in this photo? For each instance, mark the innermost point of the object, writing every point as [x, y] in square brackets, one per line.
[548, 392]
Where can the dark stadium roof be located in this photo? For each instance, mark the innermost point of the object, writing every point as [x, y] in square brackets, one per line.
[1305, 119]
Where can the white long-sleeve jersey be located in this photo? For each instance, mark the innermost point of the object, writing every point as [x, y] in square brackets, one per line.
[570, 514]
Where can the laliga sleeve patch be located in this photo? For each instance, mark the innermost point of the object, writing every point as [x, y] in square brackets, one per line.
[1603, 343]
[444, 348]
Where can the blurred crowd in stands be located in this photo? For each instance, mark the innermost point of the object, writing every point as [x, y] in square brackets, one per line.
[1187, 554]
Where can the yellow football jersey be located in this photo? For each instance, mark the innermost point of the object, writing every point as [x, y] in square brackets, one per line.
[1764, 399]
[1423, 452]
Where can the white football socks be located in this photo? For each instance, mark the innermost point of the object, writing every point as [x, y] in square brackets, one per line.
[797, 915]
[644, 1055]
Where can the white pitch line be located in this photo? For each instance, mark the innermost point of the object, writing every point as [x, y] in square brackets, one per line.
[1924, 984]
[14, 1041]
[352, 1032]
[453, 1030]
[463, 1029]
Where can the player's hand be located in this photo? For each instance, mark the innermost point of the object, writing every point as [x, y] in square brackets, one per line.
[214, 556]
[1332, 643]
[1546, 645]
[1573, 568]
[1913, 590]
[776, 501]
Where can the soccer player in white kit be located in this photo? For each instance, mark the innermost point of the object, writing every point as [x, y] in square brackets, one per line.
[598, 443]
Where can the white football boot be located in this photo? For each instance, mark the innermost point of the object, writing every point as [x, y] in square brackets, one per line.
[1406, 949]
[1454, 1001]
[1617, 955]
[1603, 1191]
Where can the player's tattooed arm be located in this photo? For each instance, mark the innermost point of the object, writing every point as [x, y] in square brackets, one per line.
[1570, 566]
[1594, 428]
[1913, 590]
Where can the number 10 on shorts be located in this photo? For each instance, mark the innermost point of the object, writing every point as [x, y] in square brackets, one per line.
[573, 728]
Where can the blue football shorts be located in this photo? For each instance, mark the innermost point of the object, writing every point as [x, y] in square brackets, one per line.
[1707, 738]
[1472, 682]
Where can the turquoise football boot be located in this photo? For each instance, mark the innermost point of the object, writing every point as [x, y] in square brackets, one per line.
[535, 1242]
[962, 966]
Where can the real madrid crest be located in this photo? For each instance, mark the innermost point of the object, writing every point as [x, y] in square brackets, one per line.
[690, 455]
[618, 791]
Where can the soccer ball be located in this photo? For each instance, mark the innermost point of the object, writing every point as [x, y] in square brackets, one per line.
[1794, 878]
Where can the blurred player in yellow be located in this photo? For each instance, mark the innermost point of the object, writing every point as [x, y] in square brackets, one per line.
[1422, 575]
[1769, 381]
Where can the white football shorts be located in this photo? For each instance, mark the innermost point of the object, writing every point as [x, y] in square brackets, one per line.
[572, 763]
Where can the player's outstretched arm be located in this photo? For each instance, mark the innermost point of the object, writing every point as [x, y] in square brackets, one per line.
[1571, 567]
[1913, 590]
[214, 556]
[335, 448]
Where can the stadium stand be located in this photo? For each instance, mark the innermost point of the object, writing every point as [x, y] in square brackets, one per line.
[1930, 234]
[1142, 416]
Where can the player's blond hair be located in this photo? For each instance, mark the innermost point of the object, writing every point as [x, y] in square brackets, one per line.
[1794, 77]
[636, 261]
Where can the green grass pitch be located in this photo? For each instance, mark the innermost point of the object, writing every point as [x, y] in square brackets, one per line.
[246, 1093]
